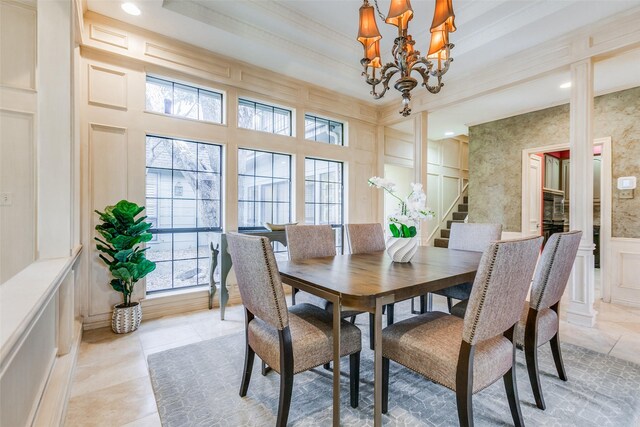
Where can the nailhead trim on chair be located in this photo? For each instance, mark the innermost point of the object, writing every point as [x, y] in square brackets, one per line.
[271, 283]
[476, 318]
[547, 273]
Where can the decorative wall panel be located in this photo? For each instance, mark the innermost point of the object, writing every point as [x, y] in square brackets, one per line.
[107, 87]
[108, 36]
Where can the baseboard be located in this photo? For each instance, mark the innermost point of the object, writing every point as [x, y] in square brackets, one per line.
[53, 403]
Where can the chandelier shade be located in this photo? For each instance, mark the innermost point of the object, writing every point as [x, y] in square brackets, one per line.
[407, 62]
[368, 32]
[400, 13]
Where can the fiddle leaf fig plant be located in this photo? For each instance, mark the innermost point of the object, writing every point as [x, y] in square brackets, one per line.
[122, 237]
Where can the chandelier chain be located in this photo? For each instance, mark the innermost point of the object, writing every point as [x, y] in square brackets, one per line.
[378, 10]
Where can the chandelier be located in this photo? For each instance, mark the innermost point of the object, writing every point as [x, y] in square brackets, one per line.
[406, 59]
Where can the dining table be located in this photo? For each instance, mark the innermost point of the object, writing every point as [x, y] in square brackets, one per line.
[369, 281]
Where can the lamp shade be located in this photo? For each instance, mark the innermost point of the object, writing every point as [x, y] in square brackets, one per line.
[443, 17]
[372, 53]
[368, 29]
[438, 46]
[400, 13]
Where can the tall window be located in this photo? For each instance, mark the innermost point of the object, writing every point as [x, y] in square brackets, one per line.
[263, 117]
[184, 207]
[323, 130]
[167, 97]
[264, 188]
[324, 194]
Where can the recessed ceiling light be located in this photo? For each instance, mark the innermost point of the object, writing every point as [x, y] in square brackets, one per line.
[449, 133]
[131, 9]
[566, 85]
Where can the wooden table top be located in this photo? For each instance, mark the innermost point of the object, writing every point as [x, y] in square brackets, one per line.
[360, 279]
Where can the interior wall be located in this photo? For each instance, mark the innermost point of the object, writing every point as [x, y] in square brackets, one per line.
[402, 176]
[495, 151]
[116, 58]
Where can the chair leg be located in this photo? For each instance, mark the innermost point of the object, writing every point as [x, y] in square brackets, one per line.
[354, 378]
[385, 385]
[352, 319]
[286, 376]
[423, 304]
[327, 366]
[265, 368]
[449, 303]
[371, 331]
[511, 386]
[249, 356]
[557, 357]
[464, 385]
[531, 354]
[390, 311]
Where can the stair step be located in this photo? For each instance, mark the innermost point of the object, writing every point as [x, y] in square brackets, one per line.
[452, 221]
[465, 199]
[445, 233]
[463, 207]
[460, 215]
[441, 243]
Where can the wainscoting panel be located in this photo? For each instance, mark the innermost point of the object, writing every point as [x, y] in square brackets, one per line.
[107, 87]
[108, 36]
[18, 42]
[625, 271]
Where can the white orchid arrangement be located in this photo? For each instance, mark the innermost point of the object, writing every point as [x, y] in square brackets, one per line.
[411, 210]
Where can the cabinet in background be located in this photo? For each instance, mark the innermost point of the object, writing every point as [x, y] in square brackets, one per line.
[551, 172]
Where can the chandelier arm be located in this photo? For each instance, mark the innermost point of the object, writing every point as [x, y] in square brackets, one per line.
[378, 10]
[385, 85]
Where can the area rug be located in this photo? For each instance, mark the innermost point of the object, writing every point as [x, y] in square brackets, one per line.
[197, 385]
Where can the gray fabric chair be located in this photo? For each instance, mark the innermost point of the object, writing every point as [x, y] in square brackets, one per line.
[468, 237]
[312, 241]
[468, 355]
[365, 238]
[289, 340]
[539, 320]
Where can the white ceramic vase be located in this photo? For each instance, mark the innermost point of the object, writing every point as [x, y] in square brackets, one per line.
[126, 319]
[402, 249]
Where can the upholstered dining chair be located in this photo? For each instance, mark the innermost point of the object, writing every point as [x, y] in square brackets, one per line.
[365, 238]
[290, 340]
[468, 237]
[468, 355]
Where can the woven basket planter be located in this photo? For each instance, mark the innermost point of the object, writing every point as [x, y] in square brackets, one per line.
[402, 249]
[126, 319]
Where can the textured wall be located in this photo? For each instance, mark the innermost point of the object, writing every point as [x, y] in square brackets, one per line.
[495, 156]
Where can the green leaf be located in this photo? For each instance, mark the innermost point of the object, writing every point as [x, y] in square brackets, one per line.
[405, 231]
[394, 230]
[412, 231]
[117, 285]
[123, 256]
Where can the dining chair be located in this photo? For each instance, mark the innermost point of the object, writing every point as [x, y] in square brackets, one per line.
[468, 237]
[290, 340]
[539, 320]
[365, 238]
[468, 355]
[313, 241]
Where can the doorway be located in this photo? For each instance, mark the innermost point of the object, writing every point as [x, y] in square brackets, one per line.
[546, 199]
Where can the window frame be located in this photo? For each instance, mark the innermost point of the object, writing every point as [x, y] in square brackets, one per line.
[273, 107]
[262, 228]
[315, 118]
[156, 231]
[198, 88]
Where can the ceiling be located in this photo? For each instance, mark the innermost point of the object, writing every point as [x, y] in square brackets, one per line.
[314, 40]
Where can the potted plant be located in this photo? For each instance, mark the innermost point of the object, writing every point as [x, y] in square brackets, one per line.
[403, 243]
[121, 245]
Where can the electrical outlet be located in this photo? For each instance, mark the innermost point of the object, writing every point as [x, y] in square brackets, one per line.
[6, 199]
[625, 194]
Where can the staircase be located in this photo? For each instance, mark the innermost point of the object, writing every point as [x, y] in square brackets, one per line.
[458, 216]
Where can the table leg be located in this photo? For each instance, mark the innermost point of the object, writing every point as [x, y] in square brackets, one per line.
[377, 375]
[336, 362]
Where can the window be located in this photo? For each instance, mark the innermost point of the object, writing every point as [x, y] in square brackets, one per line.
[184, 207]
[263, 117]
[324, 194]
[264, 188]
[323, 130]
[176, 99]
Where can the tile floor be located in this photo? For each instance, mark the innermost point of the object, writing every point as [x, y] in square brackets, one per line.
[111, 386]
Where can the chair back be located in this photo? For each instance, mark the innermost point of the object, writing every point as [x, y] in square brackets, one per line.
[310, 241]
[258, 278]
[500, 288]
[473, 237]
[554, 269]
[365, 238]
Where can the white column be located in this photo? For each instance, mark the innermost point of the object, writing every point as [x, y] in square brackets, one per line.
[580, 291]
[420, 160]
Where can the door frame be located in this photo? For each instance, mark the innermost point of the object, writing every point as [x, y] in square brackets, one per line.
[605, 204]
